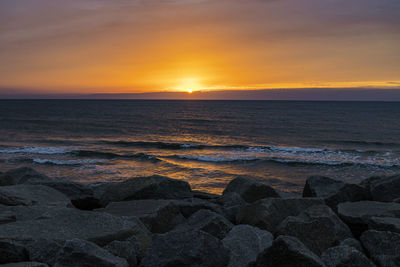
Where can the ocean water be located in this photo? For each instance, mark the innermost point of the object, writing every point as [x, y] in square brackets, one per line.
[206, 143]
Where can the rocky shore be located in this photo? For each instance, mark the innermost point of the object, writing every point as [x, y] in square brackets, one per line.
[158, 221]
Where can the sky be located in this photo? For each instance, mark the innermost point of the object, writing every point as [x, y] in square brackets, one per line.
[144, 46]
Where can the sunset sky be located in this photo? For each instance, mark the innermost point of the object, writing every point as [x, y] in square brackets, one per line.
[127, 46]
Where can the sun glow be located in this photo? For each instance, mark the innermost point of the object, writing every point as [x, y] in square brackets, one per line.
[188, 85]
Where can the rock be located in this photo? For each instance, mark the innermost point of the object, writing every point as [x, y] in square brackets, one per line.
[245, 242]
[317, 227]
[11, 251]
[100, 228]
[193, 248]
[384, 224]
[159, 216]
[383, 247]
[345, 256]
[43, 250]
[25, 264]
[287, 251]
[352, 242]
[76, 253]
[191, 205]
[20, 176]
[81, 196]
[385, 189]
[203, 195]
[123, 249]
[231, 203]
[268, 213]
[333, 191]
[209, 222]
[29, 195]
[153, 187]
[250, 190]
[357, 215]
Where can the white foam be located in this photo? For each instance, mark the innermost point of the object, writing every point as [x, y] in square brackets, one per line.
[65, 162]
[36, 150]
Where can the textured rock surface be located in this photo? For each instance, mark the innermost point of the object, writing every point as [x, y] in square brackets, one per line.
[245, 242]
[352, 242]
[97, 227]
[268, 213]
[12, 251]
[287, 251]
[384, 189]
[81, 253]
[20, 176]
[29, 195]
[123, 249]
[358, 214]
[317, 227]
[159, 216]
[333, 191]
[43, 250]
[250, 190]
[25, 264]
[153, 187]
[193, 248]
[209, 222]
[383, 247]
[345, 256]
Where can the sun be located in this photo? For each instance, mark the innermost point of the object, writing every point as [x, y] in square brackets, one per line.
[188, 85]
[190, 91]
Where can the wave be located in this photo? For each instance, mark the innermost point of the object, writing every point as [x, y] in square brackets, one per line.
[291, 161]
[361, 142]
[110, 155]
[65, 162]
[35, 150]
[159, 145]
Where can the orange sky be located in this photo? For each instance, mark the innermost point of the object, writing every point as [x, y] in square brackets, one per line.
[99, 46]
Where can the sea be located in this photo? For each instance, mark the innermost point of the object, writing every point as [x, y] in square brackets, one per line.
[206, 143]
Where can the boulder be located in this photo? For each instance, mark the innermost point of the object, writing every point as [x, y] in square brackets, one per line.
[203, 195]
[268, 213]
[28, 195]
[231, 204]
[250, 190]
[153, 187]
[123, 249]
[209, 222]
[191, 205]
[333, 191]
[188, 248]
[100, 228]
[81, 196]
[317, 227]
[12, 251]
[25, 264]
[345, 256]
[159, 216]
[20, 176]
[245, 242]
[43, 250]
[359, 216]
[81, 253]
[383, 247]
[352, 242]
[287, 251]
[385, 189]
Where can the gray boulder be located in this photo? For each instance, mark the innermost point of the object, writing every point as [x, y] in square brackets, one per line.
[81, 253]
[25, 264]
[29, 195]
[231, 204]
[352, 242]
[383, 247]
[189, 206]
[188, 248]
[159, 216]
[209, 222]
[250, 190]
[11, 251]
[245, 242]
[385, 189]
[100, 228]
[20, 176]
[287, 251]
[345, 256]
[361, 216]
[317, 227]
[268, 213]
[153, 187]
[43, 250]
[123, 249]
[333, 191]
